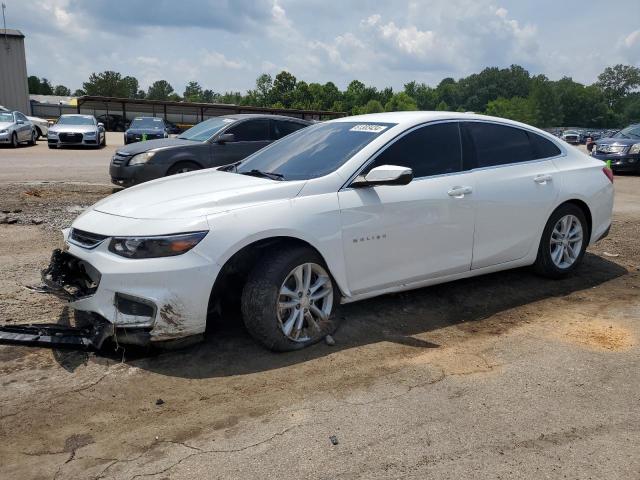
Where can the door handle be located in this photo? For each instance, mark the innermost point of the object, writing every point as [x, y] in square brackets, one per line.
[542, 179]
[459, 192]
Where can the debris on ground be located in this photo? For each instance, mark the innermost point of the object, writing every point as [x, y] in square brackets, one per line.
[607, 254]
[329, 340]
[334, 440]
[159, 401]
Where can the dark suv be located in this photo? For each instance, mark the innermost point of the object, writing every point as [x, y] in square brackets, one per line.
[622, 149]
[214, 142]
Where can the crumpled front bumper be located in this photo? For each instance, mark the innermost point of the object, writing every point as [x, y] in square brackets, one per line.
[146, 300]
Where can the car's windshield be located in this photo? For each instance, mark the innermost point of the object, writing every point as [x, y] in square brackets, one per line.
[314, 151]
[6, 117]
[629, 132]
[75, 120]
[205, 130]
[147, 122]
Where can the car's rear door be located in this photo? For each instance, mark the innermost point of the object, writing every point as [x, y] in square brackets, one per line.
[249, 136]
[401, 234]
[516, 185]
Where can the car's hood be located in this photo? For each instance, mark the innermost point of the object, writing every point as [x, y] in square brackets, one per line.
[140, 131]
[135, 148]
[4, 125]
[73, 128]
[200, 193]
[617, 141]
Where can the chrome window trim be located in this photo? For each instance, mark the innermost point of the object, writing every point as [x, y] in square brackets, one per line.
[563, 151]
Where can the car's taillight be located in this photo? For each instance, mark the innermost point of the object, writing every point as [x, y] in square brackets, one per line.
[609, 173]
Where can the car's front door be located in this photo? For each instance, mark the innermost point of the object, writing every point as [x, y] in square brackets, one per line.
[249, 137]
[516, 185]
[400, 234]
[24, 128]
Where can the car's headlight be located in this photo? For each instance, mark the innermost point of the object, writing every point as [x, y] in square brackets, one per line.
[52, 134]
[153, 247]
[4, 131]
[141, 158]
[635, 148]
[90, 134]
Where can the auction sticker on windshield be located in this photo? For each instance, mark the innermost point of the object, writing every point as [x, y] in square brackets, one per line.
[364, 127]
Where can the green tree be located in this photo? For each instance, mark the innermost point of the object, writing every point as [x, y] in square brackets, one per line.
[130, 87]
[515, 108]
[107, 84]
[159, 90]
[61, 91]
[78, 92]
[283, 89]
[545, 103]
[264, 84]
[34, 85]
[618, 81]
[372, 106]
[192, 92]
[400, 102]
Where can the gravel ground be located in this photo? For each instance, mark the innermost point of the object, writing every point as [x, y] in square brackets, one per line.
[503, 376]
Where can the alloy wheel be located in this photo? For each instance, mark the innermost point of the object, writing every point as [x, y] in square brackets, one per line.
[305, 301]
[566, 241]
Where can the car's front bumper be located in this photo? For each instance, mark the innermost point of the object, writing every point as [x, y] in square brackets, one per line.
[127, 175]
[158, 298]
[5, 137]
[80, 140]
[621, 163]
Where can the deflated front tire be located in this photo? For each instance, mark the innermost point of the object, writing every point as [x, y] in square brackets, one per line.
[288, 299]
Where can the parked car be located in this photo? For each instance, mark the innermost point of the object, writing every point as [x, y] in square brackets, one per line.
[145, 128]
[15, 128]
[214, 142]
[571, 136]
[172, 128]
[622, 149]
[41, 125]
[113, 123]
[337, 212]
[77, 130]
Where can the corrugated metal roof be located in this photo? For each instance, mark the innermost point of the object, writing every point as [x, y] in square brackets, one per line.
[11, 33]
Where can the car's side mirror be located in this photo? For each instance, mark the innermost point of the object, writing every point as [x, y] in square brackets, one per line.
[384, 175]
[226, 138]
[100, 125]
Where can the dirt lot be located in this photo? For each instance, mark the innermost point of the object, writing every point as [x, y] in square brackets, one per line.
[504, 376]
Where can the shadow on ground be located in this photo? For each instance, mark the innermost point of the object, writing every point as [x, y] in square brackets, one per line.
[228, 350]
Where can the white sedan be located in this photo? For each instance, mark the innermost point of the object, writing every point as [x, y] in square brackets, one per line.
[338, 212]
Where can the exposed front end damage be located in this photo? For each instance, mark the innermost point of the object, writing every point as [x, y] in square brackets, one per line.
[139, 302]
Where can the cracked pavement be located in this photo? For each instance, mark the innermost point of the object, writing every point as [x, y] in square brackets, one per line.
[503, 376]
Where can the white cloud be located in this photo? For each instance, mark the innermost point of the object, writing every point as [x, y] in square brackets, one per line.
[630, 47]
[217, 59]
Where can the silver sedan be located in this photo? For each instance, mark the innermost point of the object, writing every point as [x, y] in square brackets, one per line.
[77, 130]
[15, 128]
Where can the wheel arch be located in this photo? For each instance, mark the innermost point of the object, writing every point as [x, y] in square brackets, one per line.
[177, 161]
[233, 274]
[582, 205]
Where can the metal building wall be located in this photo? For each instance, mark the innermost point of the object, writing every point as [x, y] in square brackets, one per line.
[14, 89]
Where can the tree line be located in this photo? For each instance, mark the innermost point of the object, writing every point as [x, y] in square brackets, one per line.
[612, 101]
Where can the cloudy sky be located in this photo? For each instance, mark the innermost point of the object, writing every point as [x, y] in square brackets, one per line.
[225, 45]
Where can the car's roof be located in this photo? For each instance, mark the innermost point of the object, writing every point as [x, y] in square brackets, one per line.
[416, 117]
[77, 115]
[244, 116]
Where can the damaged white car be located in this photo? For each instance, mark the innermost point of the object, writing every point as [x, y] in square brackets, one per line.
[340, 211]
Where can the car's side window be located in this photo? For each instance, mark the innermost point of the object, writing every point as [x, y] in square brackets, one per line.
[542, 148]
[251, 130]
[429, 150]
[20, 116]
[499, 144]
[283, 128]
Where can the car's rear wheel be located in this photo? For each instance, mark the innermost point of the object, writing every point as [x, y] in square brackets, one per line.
[563, 243]
[288, 299]
[183, 167]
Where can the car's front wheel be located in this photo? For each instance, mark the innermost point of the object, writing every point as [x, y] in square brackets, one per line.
[563, 243]
[14, 140]
[288, 299]
[34, 137]
[183, 167]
